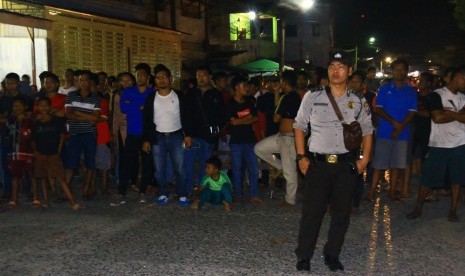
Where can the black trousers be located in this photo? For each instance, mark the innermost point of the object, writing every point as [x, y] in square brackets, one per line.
[130, 160]
[326, 183]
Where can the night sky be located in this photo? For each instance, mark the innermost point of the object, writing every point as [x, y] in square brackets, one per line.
[413, 27]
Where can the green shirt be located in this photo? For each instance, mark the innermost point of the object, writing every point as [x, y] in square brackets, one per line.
[216, 185]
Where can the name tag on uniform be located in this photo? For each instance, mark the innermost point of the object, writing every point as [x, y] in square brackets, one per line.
[320, 104]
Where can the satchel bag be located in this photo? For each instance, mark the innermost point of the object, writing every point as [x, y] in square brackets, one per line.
[353, 135]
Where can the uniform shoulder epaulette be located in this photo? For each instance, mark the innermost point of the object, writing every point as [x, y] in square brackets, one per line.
[358, 94]
[316, 89]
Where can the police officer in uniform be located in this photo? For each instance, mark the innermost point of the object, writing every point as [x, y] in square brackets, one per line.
[330, 169]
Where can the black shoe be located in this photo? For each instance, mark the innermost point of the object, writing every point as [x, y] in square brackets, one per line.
[303, 264]
[333, 263]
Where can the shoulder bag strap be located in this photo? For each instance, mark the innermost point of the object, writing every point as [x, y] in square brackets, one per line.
[334, 104]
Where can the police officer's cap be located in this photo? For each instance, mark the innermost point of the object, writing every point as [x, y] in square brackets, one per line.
[340, 56]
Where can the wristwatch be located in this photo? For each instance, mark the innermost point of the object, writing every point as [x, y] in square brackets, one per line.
[300, 157]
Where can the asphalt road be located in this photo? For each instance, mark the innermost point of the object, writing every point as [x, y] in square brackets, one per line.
[145, 239]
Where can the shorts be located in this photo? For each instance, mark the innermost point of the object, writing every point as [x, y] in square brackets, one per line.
[103, 157]
[18, 167]
[77, 144]
[390, 154]
[48, 166]
[441, 164]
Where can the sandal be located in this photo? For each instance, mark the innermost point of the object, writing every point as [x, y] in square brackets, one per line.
[36, 204]
[12, 204]
[45, 206]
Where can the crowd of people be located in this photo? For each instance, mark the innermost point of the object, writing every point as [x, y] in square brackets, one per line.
[216, 140]
[149, 135]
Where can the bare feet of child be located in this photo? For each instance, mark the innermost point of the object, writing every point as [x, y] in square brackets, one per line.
[77, 206]
[227, 206]
[195, 205]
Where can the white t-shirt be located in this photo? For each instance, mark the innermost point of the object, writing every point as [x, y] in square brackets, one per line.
[65, 91]
[449, 135]
[167, 113]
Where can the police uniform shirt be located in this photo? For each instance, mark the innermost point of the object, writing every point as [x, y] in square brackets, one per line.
[327, 131]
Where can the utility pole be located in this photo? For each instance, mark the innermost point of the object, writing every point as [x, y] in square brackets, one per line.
[283, 45]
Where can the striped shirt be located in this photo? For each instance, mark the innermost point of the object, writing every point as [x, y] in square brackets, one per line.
[87, 105]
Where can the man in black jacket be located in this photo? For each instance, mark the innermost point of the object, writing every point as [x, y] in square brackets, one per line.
[163, 134]
[205, 115]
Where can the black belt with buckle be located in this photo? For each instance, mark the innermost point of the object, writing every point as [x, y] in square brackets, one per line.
[179, 131]
[333, 158]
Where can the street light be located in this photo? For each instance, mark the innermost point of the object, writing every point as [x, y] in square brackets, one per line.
[252, 15]
[372, 40]
[388, 60]
[305, 5]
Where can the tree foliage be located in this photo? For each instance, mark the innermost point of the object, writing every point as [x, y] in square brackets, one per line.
[459, 12]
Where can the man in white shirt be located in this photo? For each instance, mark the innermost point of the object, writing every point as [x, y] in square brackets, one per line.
[162, 127]
[447, 141]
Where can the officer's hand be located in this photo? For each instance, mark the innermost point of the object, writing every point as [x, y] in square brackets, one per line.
[304, 164]
[361, 166]
[146, 147]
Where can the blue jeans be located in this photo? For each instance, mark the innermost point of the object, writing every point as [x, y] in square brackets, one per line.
[244, 154]
[201, 151]
[172, 145]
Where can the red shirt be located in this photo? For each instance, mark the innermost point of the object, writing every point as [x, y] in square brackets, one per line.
[103, 128]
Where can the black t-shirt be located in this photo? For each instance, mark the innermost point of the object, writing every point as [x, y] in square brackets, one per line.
[434, 102]
[422, 124]
[289, 105]
[46, 135]
[241, 134]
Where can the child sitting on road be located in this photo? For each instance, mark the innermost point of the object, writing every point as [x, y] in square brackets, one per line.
[215, 187]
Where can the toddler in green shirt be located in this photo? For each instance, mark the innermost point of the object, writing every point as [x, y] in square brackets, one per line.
[215, 187]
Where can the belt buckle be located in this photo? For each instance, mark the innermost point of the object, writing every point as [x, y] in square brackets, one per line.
[331, 159]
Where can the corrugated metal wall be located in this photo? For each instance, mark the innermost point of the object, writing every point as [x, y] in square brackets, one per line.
[83, 41]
